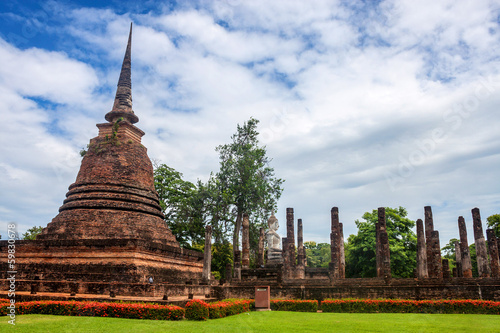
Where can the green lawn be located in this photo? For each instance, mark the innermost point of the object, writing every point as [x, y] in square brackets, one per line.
[265, 322]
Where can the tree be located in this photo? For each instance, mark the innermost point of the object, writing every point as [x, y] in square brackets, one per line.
[182, 203]
[494, 223]
[318, 255]
[473, 259]
[448, 252]
[246, 181]
[360, 248]
[31, 233]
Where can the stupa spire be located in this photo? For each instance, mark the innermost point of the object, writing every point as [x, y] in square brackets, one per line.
[122, 107]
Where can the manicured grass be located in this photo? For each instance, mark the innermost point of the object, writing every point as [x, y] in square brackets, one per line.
[265, 322]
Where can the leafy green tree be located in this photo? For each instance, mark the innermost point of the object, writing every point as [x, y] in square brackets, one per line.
[31, 233]
[473, 259]
[246, 181]
[448, 252]
[360, 248]
[182, 204]
[318, 255]
[493, 222]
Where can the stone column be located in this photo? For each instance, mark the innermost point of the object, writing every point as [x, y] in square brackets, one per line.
[228, 272]
[384, 270]
[245, 242]
[342, 252]
[335, 244]
[429, 228]
[446, 268]
[260, 257]
[464, 249]
[493, 249]
[290, 235]
[483, 268]
[421, 251]
[437, 266]
[458, 259]
[286, 258]
[301, 255]
[207, 255]
[237, 265]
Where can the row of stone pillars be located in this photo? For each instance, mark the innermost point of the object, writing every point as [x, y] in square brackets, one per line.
[429, 262]
[485, 268]
[294, 262]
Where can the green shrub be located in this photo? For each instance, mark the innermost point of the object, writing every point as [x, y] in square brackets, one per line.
[410, 306]
[97, 309]
[197, 310]
[295, 305]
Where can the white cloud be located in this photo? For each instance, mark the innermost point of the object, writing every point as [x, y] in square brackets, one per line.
[345, 96]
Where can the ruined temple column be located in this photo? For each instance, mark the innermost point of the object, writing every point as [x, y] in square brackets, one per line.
[446, 268]
[458, 259]
[429, 228]
[421, 252]
[436, 264]
[342, 252]
[237, 265]
[260, 256]
[483, 268]
[207, 258]
[384, 268]
[464, 249]
[301, 254]
[493, 249]
[290, 236]
[334, 265]
[245, 242]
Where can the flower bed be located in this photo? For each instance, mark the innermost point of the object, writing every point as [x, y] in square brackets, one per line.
[410, 306]
[199, 310]
[294, 305]
[97, 309]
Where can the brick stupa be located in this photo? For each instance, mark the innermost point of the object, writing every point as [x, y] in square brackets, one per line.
[110, 233]
[114, 195]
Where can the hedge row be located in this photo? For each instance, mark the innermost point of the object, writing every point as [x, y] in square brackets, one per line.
[97, 309]
[200, 310]
[294, 305]
[409, 306]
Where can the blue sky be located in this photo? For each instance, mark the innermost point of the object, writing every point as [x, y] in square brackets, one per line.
[389, 103]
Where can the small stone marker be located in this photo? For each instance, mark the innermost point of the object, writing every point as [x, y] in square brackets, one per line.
[262, 298]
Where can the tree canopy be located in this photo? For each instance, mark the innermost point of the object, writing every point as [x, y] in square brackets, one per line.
[318, 255]
[31, 233]
[493, 222]
[182, 205]
[360, 248]
[247, 181]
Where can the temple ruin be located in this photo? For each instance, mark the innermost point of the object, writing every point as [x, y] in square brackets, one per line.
[110, 238]
[109, 235]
